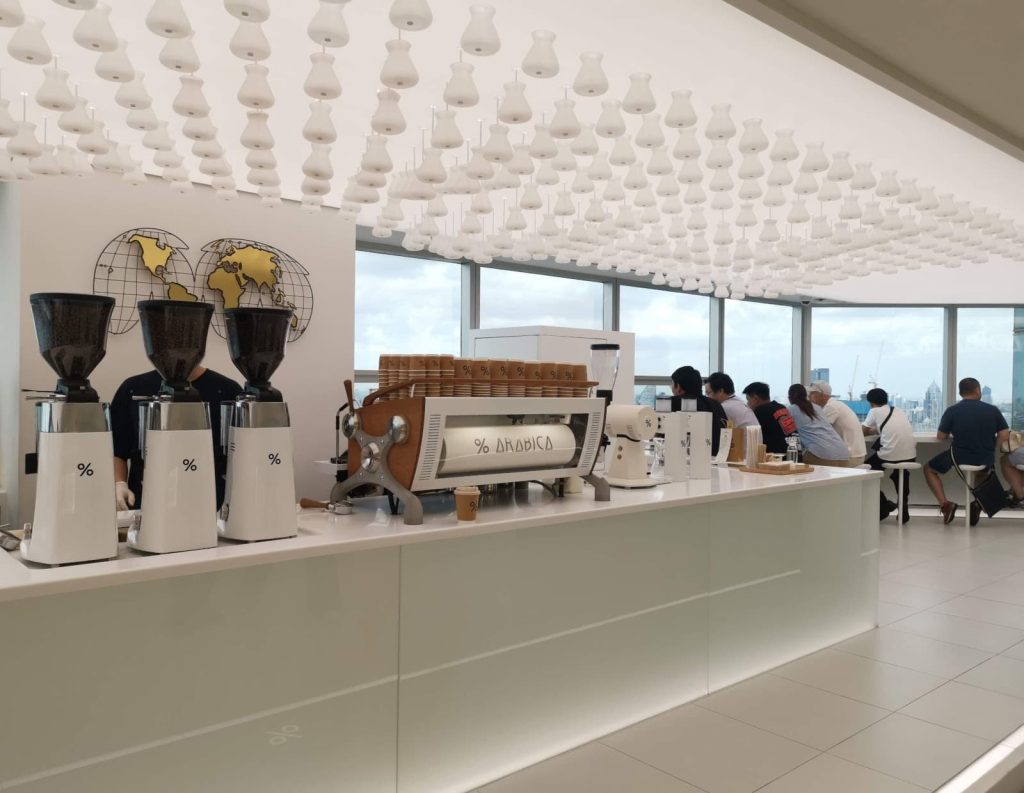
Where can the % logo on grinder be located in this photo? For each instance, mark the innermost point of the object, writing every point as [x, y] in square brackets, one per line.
[189, 465]
[283, 734]
[84, 469]
[275, 459]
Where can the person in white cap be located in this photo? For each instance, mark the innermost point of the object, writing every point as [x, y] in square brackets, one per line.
[842, 419]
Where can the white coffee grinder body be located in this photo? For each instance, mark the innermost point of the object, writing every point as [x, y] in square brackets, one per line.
[259, 499]
[179, 503]
[75, 518]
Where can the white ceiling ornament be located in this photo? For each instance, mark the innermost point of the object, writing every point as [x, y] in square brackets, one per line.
[524, 154]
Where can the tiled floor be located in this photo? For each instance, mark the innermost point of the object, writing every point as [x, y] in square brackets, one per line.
[900, 709]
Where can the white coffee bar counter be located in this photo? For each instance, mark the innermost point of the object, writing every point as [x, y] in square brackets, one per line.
[366, 655]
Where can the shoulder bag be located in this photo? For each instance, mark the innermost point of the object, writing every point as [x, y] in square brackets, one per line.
[988, 492]
[878, 441]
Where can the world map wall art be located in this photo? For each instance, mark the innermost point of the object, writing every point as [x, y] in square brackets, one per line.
[146, 263]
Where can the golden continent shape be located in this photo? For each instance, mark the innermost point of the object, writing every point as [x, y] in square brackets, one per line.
[247, 263]
[155, 256]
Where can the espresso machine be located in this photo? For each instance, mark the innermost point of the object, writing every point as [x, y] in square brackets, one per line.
[179, 504]
[75, 518]
[259, 501]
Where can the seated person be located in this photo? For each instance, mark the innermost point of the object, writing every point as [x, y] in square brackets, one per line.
[775, 419]
[895, 444]
[687, 384]
[976, 428]
[719, 386]
[213, 387]
[1008, 463]
[841, 417]
[822, 444]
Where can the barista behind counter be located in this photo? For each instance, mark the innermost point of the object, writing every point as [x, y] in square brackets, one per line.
[213, 388]
[688, 384]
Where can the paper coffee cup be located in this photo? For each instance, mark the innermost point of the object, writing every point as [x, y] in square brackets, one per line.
[467, 502]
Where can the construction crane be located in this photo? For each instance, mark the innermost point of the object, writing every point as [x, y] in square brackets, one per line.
[853, 379]
[873, 380]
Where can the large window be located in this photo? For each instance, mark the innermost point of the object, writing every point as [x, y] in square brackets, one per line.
[672, 329]
[512, 299]
[898, 349]
[984, 350]
[406, 305]
[759, 344]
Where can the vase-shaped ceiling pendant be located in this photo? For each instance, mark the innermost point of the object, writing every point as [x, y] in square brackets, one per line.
[565, 124]
[94, 31]
[388, 118]
[256, 134]
[541, 60]
[480, 36]
[132, 95]
[720, 126]
[255, 92]
[11, 14]
[250, 42]
[398, 70]
[610, 124]
[328, 28]
[446, 134]
[590, 79]
[639, 99]
[8, 127]
[180, 55]
[322, 81]
[650, 134]
[514, 109]
[248, 10]
[376, 158]
[54, 93]
[28, 44]
[190, 101]
[753, 139]
[319, 128]
[167, 18]
[680, 113]
[115, 66]
[461, 90]
[410, 14]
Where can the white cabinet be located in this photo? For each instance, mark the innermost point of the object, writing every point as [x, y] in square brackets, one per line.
[547, 343]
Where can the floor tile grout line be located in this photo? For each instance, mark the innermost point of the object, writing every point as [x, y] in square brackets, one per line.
[976, 619]
[644, 762]
[790, 771]
[901, 666]
[800, 683]
[895, 627]
[759, 727]
[954, 729]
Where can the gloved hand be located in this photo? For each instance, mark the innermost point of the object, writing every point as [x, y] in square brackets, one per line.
[123, 496]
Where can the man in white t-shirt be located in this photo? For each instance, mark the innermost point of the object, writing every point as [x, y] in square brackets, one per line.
[842, 418]
[895, 444]
[719, 386]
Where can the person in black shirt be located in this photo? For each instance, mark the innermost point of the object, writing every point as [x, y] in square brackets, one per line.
[776, 421]
[688, 384]
[976, 428]
[213, 387]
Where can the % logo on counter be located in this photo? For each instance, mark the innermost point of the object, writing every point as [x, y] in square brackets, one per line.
[275, 459]
[84, 469]
[189, 465]
[283, 734]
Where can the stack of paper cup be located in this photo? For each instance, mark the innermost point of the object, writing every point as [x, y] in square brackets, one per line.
[516, 378]
[403, 375]
[481, 377]
[433, 369]
[579, 375]
[447, 370]
[463, 368]
[549, 373]
[417, 371]
[499, 378]
[534, 373]
[565, 388]
[384, 373]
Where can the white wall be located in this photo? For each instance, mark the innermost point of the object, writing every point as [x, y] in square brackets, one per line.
[67, 222]
[10, 295]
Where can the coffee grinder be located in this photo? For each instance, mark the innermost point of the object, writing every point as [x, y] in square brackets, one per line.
[179, 495]
[75, 518]
[259, 501]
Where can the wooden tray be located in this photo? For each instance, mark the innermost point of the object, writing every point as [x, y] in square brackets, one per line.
[802, 469]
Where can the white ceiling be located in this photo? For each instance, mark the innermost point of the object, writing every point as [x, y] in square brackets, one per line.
[704, 45]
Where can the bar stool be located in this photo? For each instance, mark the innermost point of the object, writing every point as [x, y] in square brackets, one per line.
[899, 486]
[969, 471]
